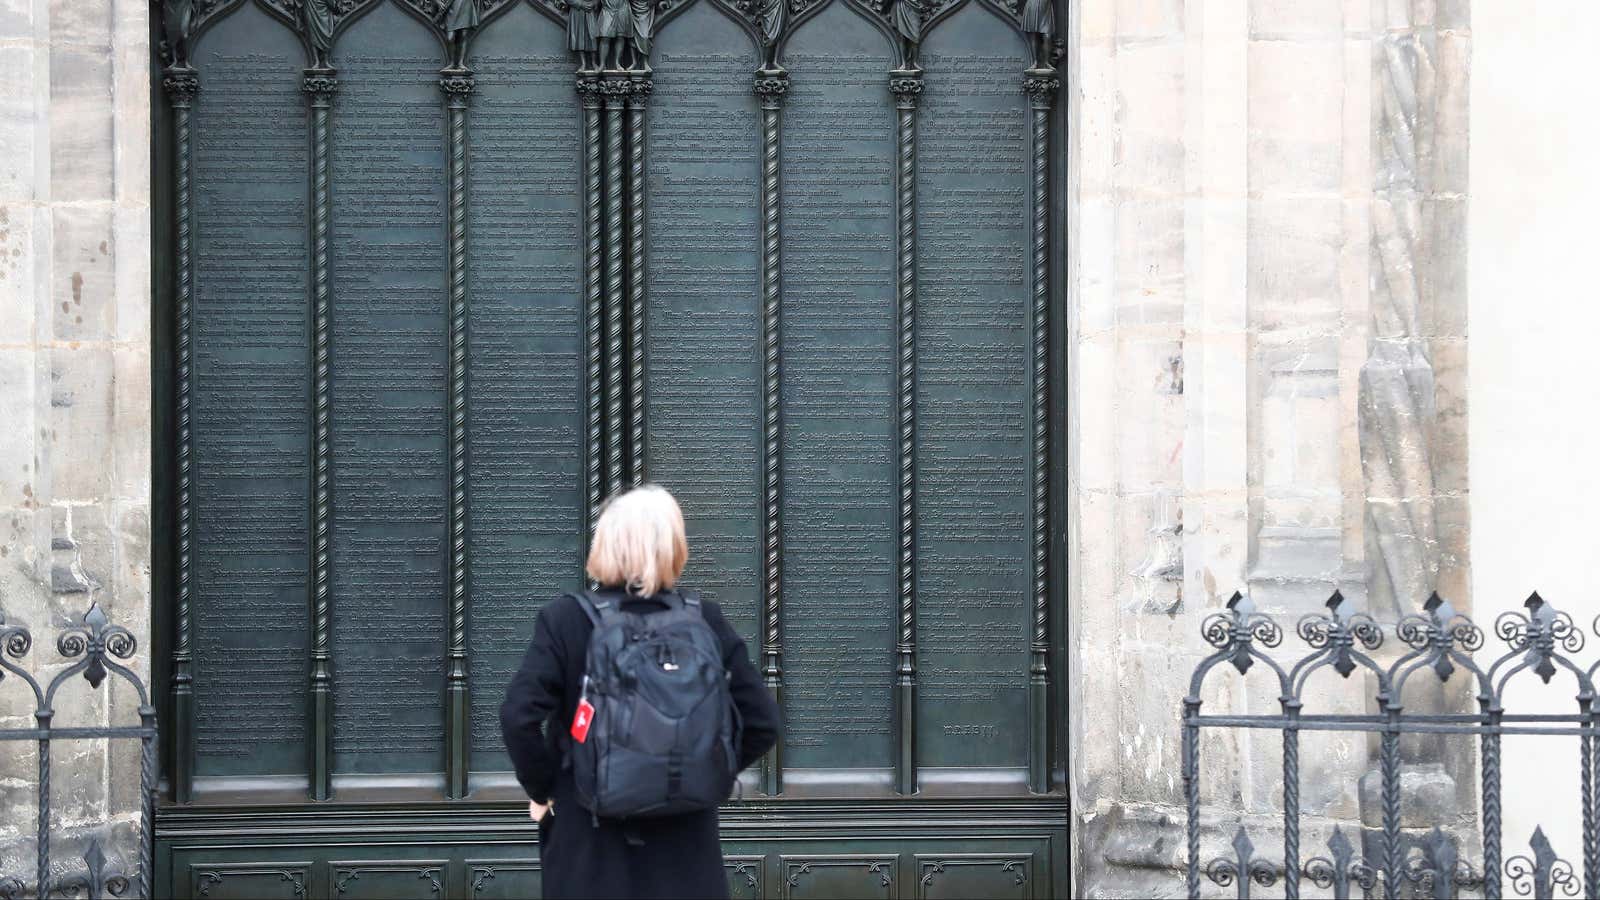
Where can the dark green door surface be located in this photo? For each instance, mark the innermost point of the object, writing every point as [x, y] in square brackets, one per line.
[418, 318]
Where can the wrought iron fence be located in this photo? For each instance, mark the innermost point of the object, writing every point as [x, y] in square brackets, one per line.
[96, 645]
[1439, 642]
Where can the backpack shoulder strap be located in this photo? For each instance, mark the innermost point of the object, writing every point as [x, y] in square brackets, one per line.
[691, 602]
[596, 608]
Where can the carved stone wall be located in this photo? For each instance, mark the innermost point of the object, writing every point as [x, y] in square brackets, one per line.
[74, 388]
[1269, 314]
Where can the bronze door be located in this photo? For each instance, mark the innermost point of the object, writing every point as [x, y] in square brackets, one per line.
[420, 318]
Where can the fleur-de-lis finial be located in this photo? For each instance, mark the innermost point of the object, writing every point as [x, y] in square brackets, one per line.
[1234, 629]
[1439, 631]
[1337, 631]
[96, 638]
[1243, 849]
[1337, 607]
[1539, 631]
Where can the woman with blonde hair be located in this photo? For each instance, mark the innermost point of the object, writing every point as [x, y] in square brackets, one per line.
[635, 707]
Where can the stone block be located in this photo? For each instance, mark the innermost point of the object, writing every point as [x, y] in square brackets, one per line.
[1449, 438]
[1097, 21]
[17, 19]
[1427, 797]
[1296, 118]
[1355, 264]
[1096, 620]
[1097, 126]
[1150, 95]
[81, 131]
[131, 412]
[18, 274]
[1131, 851]
[124, 758]
[131, 114]
[1216, 399]
[1097, 756]
[1356, 101]
[20, 122]
[1445, 266]
[81, 22]
[1453, 514]
[24, 561]
[1278, 19]
[1152, 682]
[19, 473]
[1137, 19]
[1222, 755]
[77, 775]
[1150, 420]
[1452, 61]
[1149, 261]
[82, 400]
[1215, 548]
[1294, 248]
[131, 249]
[1215, 235]
[1096, 415]
[1455, 15]
[83, 292]
[1096, 225]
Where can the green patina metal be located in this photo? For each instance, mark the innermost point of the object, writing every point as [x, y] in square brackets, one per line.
[430, 285]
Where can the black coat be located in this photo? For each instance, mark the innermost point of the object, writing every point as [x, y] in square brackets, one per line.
[680, 856]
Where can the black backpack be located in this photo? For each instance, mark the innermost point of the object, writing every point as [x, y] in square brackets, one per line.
[656, 729]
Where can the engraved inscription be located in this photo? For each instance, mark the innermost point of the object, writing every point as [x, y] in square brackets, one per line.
[389, 351]
[704, 328]
[524, 339]
[840, 504]
[974, 396]
[250, 389]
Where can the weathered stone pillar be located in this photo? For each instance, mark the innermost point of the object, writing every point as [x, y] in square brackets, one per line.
[75, 366]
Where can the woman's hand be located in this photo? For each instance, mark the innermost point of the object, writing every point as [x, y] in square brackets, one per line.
[537, 811]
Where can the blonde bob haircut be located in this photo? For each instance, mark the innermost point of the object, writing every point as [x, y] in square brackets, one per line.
[639, 544]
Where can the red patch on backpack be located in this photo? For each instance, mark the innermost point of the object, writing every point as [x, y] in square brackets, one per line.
[581, 720]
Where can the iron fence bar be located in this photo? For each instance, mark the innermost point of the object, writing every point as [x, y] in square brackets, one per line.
[1490, 749]
[1278, 724]
[1380, 721]
[1191, 792]
[1591, 840]
[63, 734]
[1291, 801]
[1390, 765]
[43, 855]
[147, 798]
[95, 646]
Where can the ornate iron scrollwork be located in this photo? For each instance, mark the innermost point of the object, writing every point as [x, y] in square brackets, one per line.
[1237, 629]
[94, 640]
[1439, 870]
[1539, 632]
[97, 880]
[1245, 867]
[1543, 874]
[1342, 871]
[1438, 632]
[1339, 630]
